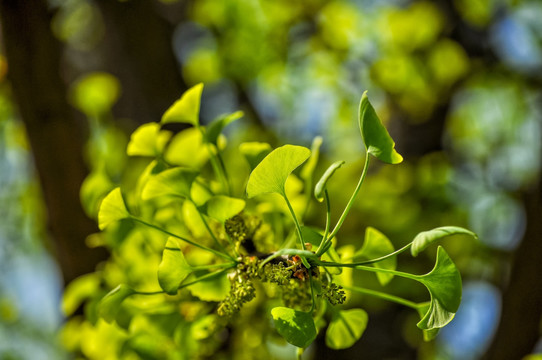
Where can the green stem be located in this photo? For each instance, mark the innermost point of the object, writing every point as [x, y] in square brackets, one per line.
[218, 253]
[214, 266]
[214, 162]
[209, 230]
[320, 251]
[381, 295]
[368, 268]
[204, 277]
[352, 198]
[149, 292]
[395, 253]
[297, 226]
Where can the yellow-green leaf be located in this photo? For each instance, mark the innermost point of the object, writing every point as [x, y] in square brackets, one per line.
[377, 245]
[173, 268]
[112, 209]
[271, 173]
[186, 109]
[148, 140]
[172, 182]
[222, 208]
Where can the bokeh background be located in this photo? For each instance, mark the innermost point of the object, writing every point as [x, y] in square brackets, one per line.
[457, 82]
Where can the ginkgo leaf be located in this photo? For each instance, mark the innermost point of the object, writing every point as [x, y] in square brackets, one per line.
[148, 140]
[271, 173]
[214, 129]
[377, 245]
[110, 304]
[346, 327]
[444, 285]
[254, 152]
[186, 109]
[173, 268]
[296, 327]
[222, 208]
[426, 238]
[378, 141]
[173, 182]
[322, 183]
[112, 209]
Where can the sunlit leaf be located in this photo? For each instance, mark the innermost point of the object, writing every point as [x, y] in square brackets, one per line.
[148, 140]
[426, 238]
[110, 304]
[172, 182]
[186, 109]
[271, 174]
[444, 285]
[377, 245]
[112, 209]
[296, 327]
[346, 327]
[215, 128]
[173, 268]
[377, 139]
[322, 183]
[308, 169]
[222, 208]
[254, 152]
[188, 149]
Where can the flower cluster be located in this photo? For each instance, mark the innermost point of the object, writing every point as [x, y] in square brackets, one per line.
[334, 293]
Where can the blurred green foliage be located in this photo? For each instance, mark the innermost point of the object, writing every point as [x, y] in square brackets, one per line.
[466, 73]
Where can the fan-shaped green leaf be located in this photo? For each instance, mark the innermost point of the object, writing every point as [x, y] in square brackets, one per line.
[271, 173]
[173, 268]
[214, 129]
[186, 109]
[345, 328]
[188, 149]
[426, 238]
[377, 245]
[110, 304]
[254, 152]
[296, 327]
[172, 182]
[222, 208]
[148, 140]
[444, 285]
[322, 183]
[378, 141]
[112, 209]
[428, 335]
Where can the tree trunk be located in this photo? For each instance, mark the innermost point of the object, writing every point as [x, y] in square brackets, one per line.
[56, 134]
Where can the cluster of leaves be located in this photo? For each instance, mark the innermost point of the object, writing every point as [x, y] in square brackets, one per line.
[206, 236]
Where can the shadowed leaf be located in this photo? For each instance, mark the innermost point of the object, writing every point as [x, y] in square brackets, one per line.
[296, 327]
[346, 327]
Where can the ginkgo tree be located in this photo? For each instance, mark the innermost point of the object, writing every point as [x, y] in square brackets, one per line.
[213, 252]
